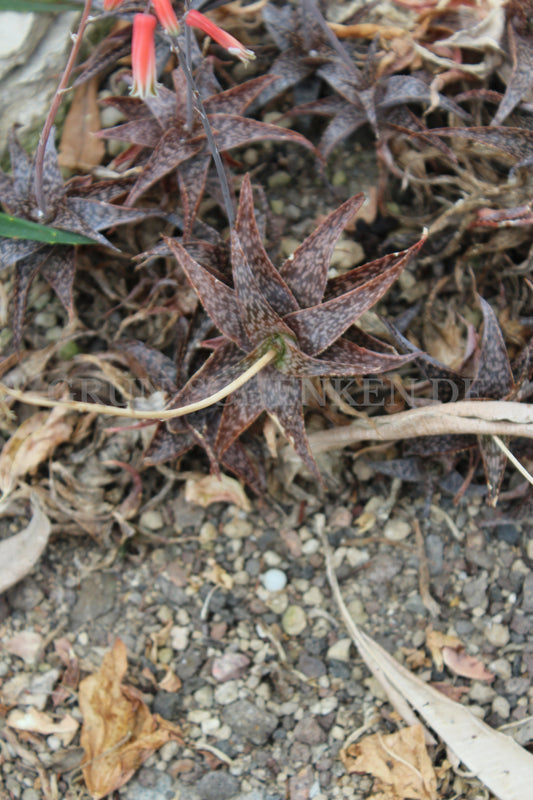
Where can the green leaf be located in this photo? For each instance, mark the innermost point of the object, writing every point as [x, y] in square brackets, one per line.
[50, 6]
[15, 228]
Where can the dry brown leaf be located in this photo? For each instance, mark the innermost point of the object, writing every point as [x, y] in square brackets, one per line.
[435, 641]
[467, 666]
[119, 733]
[218, 575]
[453, 692]
[20, 553]
[399, 762]
[171, 682]
[80, 150]
[32, 443]
[38, 722]
[216, 489]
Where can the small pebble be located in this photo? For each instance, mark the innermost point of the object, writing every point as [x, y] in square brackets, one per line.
[227, 693]
[204, 697]
[217, 785]
[311, 546]
[229, 667]
[340, 651]
[507, 532]
[274, 580]
[501, 667]
[396, 530]
[179, 637]
[294, 620]
[500, 706]
[238, 528]
[152, 520]
[497, 634]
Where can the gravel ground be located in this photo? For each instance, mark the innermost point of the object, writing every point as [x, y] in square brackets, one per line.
[271, 687]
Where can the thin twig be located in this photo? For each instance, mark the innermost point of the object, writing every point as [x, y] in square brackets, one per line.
[54, 107]
[500, 417]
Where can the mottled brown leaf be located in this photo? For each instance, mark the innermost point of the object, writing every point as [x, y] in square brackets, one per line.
[521, 79]
[306, 271]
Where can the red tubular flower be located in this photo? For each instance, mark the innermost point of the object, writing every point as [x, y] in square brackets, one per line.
[143, 56]
[197, 20]
[110, 5]
[166, 16]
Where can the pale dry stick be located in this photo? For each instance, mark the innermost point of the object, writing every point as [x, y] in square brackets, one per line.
[513, 459]
[440, 512]
[130, 413]
[397, 701]
[487, 417]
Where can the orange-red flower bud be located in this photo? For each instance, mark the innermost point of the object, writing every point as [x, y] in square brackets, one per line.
[166, 16]
[143, 56]
[197, 20]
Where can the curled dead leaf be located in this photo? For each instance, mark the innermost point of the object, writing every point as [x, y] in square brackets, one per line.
[20, 553]
[39, 722]
[216, 489]
[32, 443]
[399, 762]
[467, 666]
[119, 733]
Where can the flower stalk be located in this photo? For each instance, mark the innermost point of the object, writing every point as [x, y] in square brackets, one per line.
[158, 416]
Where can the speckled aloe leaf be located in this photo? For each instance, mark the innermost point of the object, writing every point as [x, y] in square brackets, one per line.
[343, 358]
[241, 409]
[164, 129]
[76, 208]
[151, 366]
[217, 298]
[192, 177]
[447, 384]
[166, 446]
[316, 328]
[59, 270]
[269, 281]
[282, 399]
[306, 271]
[347, 121]
[259, 319]
[224, 365]
[170, 152]
[494, 378]
[514, 142]
[230, 130]
[237, 99]
[521, 80]
[25, 271]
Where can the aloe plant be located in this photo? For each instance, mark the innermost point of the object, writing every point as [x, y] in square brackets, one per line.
[293, 318]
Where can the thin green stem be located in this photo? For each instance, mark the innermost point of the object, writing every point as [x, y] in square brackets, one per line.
[130, 413]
